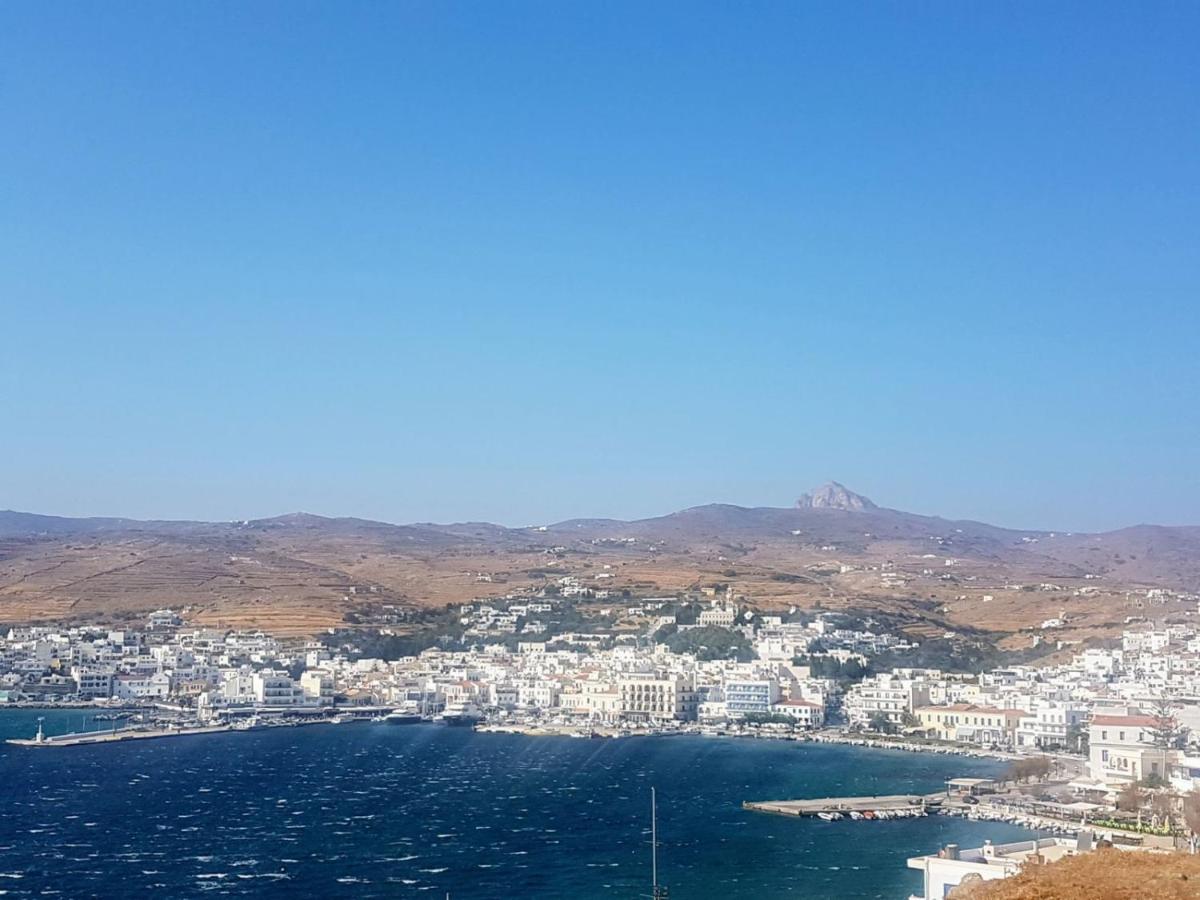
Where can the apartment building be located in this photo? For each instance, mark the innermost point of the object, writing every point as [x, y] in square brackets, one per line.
[1047, 727]
[1122, 749]
[92, 684]
[647, 698]
[743, 696]
[970, 724]
[886, 694]
[802, 712]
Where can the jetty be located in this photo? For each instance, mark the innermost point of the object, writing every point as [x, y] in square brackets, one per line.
[885, 807]
[109, 737]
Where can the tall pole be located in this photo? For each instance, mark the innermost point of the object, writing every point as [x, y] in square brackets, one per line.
[654, 841]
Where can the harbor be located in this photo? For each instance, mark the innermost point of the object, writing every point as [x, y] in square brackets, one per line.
[893, 806]
[972, 799]
[373, 795]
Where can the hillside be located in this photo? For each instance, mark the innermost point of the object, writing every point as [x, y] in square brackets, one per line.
[302, 572]
[1103, 875]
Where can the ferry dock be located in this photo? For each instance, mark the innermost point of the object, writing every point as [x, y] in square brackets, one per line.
[884, 807]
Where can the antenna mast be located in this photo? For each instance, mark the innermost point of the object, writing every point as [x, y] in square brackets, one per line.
[654, 840]
[657, 891]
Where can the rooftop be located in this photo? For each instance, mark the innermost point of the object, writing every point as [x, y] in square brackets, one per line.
[1138, 721]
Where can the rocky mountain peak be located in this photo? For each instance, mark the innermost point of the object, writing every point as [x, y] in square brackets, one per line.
[834, 496]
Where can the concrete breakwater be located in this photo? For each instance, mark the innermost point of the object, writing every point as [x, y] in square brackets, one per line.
[167, 729]
[110, 737]
[866, 808]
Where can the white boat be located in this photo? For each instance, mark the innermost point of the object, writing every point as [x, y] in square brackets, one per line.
[402, 716]
[460, 714]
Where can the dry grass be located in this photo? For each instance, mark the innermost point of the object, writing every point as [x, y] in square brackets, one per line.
[1103, 875]
[299, 579]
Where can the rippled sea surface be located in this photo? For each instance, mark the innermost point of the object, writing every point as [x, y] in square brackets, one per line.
[375, 810]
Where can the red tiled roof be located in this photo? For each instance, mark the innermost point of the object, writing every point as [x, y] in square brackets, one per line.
[1139, 721]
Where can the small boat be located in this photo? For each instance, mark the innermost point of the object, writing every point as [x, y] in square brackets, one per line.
[402, 717]
[460, 714]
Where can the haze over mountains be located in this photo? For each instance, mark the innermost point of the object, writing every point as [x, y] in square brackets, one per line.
[300, 572]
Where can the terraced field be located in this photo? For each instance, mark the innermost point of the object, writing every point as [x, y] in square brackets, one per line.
[301, 574]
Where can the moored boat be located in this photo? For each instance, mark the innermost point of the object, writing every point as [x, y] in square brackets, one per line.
[460, 714]
[402, 717]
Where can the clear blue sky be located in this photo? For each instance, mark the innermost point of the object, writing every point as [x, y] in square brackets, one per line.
[526, 261]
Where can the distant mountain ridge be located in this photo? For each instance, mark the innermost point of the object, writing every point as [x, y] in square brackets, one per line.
[303, 572]
[832, 497]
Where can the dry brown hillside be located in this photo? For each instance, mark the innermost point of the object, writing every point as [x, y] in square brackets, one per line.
[1103, 875]
[302, 573]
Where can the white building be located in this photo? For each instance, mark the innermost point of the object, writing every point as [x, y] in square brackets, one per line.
[886, 694]
[951, 866]
[1122, 749]
[275, 689]
[91, 684]
[1047, 727]
[647, 698]
[803, 713]
[720, 616]
[749, 696]
[142, 687]
[317, 687]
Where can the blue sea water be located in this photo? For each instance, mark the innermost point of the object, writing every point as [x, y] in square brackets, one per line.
[373, 810]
